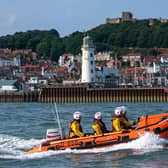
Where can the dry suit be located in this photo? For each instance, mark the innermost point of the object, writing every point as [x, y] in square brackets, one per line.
[119, 123]
[116, 123]
[75, 129]
[99, 127]
[125, 124]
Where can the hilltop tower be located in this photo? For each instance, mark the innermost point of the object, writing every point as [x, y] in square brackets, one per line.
[127, 16]
[88, 63]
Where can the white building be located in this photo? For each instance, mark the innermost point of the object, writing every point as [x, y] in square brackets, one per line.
[88, 63]
[107, 76]
[17, 61]
[9, 85]
[6, 62]
[156, 68]
[66, 59]
[103, 56]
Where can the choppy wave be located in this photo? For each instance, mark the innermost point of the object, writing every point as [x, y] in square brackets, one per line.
[12, 147]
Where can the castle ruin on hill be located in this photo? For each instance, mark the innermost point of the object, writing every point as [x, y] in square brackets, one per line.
[128, 16]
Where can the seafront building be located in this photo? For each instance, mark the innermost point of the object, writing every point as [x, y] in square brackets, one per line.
[104, 69]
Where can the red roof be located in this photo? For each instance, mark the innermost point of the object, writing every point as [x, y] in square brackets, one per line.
[133, 69]
[51, 69]
[2, 68]
[38, 73]
[24, 52]
[9, 51]
[20, 51]
[6, 50]
[67, 55]
[31, 66]
[163, 55]
[45, 66]
[34, 54]
[61, 69]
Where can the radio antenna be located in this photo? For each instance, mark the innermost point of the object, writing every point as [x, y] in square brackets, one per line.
[58, 119]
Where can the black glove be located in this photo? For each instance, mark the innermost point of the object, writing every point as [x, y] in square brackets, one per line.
[134, 122]
[138, 119]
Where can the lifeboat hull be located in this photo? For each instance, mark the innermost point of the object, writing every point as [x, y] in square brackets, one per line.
[157, 124]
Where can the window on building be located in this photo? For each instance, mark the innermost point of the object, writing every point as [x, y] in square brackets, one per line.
[91, 55]
[91, 70]
[91, 62]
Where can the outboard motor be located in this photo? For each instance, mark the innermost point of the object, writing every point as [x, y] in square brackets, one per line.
[55, 133]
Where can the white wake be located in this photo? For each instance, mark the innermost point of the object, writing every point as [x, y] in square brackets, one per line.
[14, 148]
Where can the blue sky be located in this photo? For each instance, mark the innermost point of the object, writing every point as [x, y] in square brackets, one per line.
[68, 16]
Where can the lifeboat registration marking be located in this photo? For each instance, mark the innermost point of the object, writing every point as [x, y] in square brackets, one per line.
[71, 143]
[109, 137]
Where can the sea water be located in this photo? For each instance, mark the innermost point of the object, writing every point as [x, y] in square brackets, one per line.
[24, 125]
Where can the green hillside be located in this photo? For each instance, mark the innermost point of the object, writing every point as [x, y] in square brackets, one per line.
[106, 37]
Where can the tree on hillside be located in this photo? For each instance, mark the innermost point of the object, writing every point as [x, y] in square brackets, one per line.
[106, 37]
[73, 42]
[57, 49]
[43, 49]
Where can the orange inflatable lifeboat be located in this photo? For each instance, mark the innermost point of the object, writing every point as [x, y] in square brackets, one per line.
[157, 124]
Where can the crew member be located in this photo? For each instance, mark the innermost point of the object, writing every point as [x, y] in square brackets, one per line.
[98, 125]
[116, 120]
[125, 124]
[75, 128]
[124, 112]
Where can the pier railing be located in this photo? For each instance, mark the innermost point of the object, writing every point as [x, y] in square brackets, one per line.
[81, 94]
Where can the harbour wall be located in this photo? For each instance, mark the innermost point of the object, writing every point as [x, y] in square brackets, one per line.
[80, 94]
[94, 95]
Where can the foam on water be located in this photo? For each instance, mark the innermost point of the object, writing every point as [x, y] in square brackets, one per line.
[146, 142]
[13, 147]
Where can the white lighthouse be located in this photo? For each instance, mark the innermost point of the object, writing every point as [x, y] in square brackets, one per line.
[88, 63]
